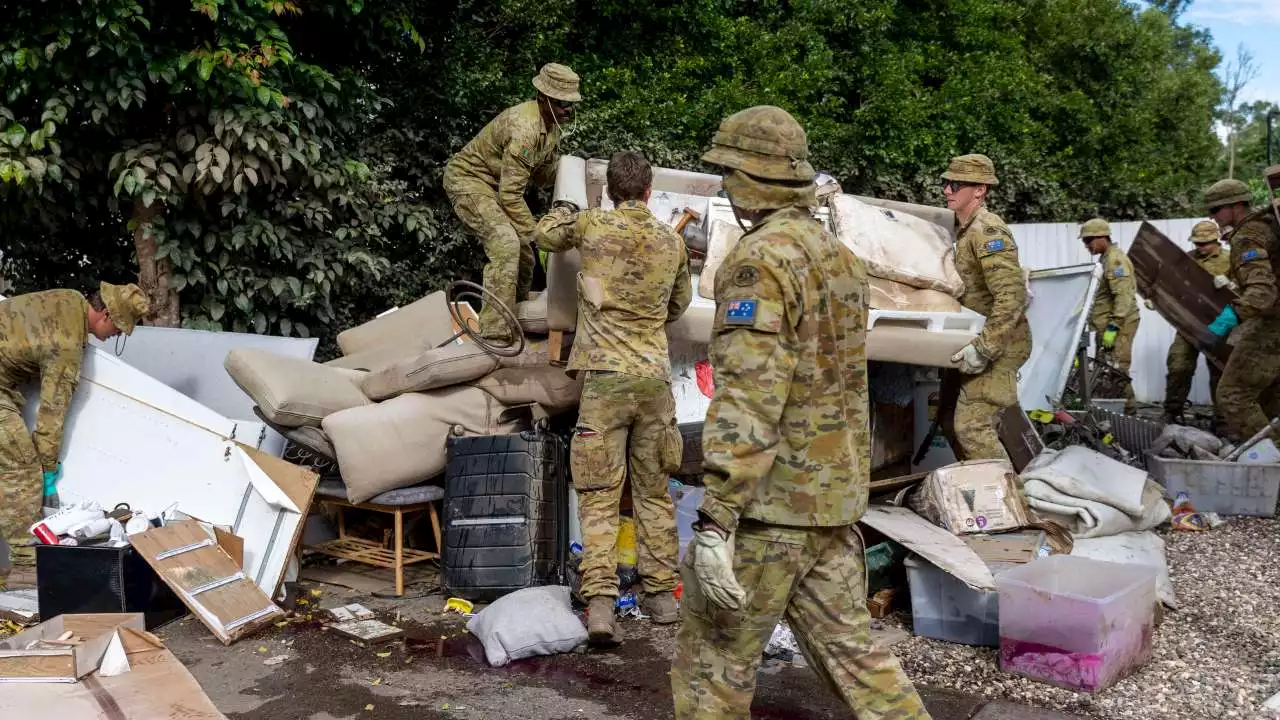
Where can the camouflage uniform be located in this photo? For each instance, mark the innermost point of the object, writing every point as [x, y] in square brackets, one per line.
[1183, 356]
[634, 280]
[1249, 392]
[486, 182]
[987, 260]
[785, 445]
[1116, 303]
[42, 335]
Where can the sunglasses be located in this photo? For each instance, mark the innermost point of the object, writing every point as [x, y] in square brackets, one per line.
[562, 104]
[956, 185]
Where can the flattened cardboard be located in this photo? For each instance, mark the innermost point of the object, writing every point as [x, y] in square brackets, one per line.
[1014, 547]
[931, 542]
[68, 663]
[207, 580]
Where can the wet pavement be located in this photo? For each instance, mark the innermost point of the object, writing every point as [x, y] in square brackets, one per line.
[302, 671]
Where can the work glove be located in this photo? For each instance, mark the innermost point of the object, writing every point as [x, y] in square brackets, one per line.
[713, 566]
[51, 480]
[567, 204]
[1225, 322]
[970, 360]
[1222, 281]
[1109, 337]
[1150, 305]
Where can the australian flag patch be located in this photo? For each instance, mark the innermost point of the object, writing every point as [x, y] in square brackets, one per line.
[1118, 272]
[995, 245]
[1248, 255]
[740, 312]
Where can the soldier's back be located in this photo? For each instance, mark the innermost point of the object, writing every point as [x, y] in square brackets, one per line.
[33, 323]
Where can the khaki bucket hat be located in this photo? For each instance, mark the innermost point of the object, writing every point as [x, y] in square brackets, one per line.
[558, 82]
[126, 305]
[973, 168]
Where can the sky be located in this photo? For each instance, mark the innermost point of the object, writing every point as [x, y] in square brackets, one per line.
[1256, 24]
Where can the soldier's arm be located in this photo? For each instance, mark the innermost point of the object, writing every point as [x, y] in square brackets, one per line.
[1253, 273]
[681, 288]
[998, 258]
[517, 166]
[1124, 289]
[754, 360]
[557, 231]
[59, 374]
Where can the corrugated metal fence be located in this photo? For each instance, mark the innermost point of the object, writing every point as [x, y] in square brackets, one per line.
[1050, 245]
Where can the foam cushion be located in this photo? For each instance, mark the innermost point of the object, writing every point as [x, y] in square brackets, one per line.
[292, 392]
[423, 323]
[547, 385]
[449, 365]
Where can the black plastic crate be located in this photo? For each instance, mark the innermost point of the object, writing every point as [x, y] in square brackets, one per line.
[89, 579]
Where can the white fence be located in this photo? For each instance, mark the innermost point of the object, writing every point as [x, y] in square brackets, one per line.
[1050, 245]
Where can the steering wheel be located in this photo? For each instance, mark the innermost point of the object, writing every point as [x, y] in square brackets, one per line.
[463, 290]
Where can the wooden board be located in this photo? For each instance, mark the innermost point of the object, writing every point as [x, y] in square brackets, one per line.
[207, 580]
[1181, 290]
[1014, 547]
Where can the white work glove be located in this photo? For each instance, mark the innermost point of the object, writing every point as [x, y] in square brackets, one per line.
[971, 361]
[1222, 281]
[1150, 305]
[713, 566]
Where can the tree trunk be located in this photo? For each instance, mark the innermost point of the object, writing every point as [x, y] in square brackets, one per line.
[153, 274]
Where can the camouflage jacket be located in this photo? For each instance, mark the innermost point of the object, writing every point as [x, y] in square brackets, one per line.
[42, 335]
[987, 260]
[1116, 299]
[785, 440]
[1255, 261]
[634, 280]
[512, 149]
[1217, 263]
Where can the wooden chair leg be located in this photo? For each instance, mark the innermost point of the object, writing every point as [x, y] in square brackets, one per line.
[399, 542]
[342, 523]
[555, 346]
[435, 528]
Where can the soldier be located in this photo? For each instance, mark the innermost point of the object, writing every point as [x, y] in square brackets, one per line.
[486, 182]
[1115, 304]
[787, 455]
[987, 259]
[634, 280]
[1183, 356]
[1249, 392]
[42, 335]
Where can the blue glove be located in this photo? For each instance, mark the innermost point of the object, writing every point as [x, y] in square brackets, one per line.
[1109, 337]
[1223, 324]
[51, 480]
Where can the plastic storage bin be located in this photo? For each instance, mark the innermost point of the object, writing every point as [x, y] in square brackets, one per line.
[1074, 622]
[944, 608]
[1227, 488]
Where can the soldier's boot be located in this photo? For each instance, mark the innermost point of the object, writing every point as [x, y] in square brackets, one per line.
[1172, 417]
[661, 608]
[602, 627]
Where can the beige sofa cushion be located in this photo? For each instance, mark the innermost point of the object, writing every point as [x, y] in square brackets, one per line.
[442, 367]
[402, 441]
[562, 290]
[378, 358]
[892, 295]
[423, 323]
[532, 315]
[292, 392]
[549, 386]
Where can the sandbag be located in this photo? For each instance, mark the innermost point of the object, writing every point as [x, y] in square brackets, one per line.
[897, 246]
[292, 392]
[441, 367]
[547, 385]
[721, 239]
[892, 295]
[528, 622]
[423, 323]
[401, 442]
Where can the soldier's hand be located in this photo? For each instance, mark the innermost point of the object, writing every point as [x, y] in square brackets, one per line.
[1109, 337]
[713, 566]
[572, 207]
[1150, 305]
[1222, 281]
[970, 360]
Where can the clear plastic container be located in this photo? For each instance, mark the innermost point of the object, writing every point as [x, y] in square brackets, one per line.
[1074, 622]
[944, 608]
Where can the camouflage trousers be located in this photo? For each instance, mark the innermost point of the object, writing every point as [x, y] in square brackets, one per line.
[982, 397]
[816, 579]
[509, 272]
[1180, 371]
[1121, 356]
[21, 479]
[626, 429]
[1249, 392]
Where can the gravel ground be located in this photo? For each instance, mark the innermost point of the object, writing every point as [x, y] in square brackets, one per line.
[1217, 656]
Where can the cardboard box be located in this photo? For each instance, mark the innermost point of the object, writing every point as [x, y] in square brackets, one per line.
[57, 661]
[976, 496]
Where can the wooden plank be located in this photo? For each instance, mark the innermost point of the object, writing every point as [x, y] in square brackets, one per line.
[207, 580]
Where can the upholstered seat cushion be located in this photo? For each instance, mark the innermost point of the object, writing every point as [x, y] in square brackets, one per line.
[293, 392]
[400, 496]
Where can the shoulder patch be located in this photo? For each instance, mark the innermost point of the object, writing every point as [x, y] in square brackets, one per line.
[746, 276]
[994, 245]
[1119, 271]
[993, 230]
[740, 312]
[1253, 254]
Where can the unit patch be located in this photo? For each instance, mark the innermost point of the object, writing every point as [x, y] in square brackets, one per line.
[994, 230]
[740, 312]
[746, 276]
